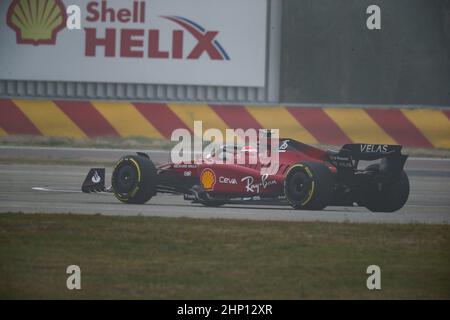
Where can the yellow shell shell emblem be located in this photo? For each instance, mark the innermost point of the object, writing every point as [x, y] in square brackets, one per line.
[208, 179]
[36, 21]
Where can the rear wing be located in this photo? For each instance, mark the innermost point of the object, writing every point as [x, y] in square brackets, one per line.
[392, 159]
[368, 152]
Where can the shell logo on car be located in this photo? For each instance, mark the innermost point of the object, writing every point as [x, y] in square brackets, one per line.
[36, 22]
[208, 179]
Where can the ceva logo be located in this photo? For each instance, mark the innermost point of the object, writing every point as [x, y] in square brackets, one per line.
[36, 22]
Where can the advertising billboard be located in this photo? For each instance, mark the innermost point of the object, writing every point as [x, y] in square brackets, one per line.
[188, 42]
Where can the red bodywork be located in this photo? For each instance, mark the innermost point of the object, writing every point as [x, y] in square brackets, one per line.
[307, 177]
[242, 180]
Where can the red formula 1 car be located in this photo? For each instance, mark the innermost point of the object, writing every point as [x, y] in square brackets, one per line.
[307, 178]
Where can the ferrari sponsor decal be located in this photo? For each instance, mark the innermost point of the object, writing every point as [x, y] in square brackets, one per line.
[341, 162]
[95, 177]
[208, 179]
[374, 148]
[187, 173]
[284, 145]
[253, 187]
[339, 158]
[225, 180]
[184, 166]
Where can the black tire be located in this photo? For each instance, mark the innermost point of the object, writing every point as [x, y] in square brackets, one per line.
[309, 186]
[134, 179]
[391, 197]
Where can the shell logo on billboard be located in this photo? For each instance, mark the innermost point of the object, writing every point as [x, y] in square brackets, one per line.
[208, 179]
[36, 22]
[135, 41]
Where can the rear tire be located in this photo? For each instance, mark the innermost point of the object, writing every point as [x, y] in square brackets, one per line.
[391, 197]
[134, 179]
[309, 186]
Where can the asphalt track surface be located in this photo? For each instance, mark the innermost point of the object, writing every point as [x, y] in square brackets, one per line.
[429, 200]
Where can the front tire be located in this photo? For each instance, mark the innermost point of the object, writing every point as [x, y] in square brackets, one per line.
[134, 179]
[309, 186]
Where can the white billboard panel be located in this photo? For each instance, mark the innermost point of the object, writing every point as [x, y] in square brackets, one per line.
[189, 42]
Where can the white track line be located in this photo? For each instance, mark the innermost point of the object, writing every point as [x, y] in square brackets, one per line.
[55, 190]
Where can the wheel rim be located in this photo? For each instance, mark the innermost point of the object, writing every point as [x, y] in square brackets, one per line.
[126, 178]
[298, 186]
